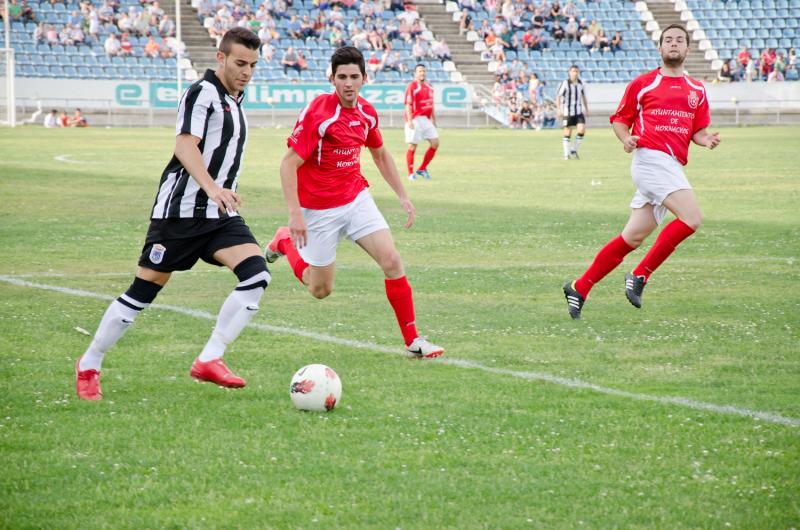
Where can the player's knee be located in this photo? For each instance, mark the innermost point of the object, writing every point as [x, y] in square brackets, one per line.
[693, 221]
[634, 240]
[391, 263]
[412, 147]
[320, 291]
[434, 144]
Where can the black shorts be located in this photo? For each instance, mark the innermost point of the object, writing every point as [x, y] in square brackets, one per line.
[177, 244]
[572, 121]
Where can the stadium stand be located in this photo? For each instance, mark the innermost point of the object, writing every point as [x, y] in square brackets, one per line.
[68, 41]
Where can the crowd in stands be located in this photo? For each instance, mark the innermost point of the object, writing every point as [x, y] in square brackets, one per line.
[120, 31]
[770, 65]
[373, 26]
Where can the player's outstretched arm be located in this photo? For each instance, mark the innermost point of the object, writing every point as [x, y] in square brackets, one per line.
[388, 169]
[297, 225]
[622, 131]
[704, 138]
[192, 159]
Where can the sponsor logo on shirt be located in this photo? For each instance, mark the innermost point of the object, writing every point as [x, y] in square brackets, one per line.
[355, 123]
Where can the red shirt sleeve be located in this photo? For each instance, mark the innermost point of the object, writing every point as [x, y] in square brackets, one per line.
[702, 116]
[305, 136]
[626, 112]
[374, 138]
[409, 96]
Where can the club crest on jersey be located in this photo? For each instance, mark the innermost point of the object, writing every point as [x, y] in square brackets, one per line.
[157, 253]
[355, 123]
[694, 99]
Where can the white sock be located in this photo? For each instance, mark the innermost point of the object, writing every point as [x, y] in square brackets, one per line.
[578, 139]
[566, 146]
[237, 310]
[116, 321]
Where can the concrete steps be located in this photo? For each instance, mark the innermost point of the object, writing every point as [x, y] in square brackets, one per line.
[696, 64]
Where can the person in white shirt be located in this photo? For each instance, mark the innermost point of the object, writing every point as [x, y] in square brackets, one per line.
[112, 45]
[51, 120]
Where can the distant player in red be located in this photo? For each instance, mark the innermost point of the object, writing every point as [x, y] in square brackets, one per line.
[420, 123]
[328, 198]
[667, 109]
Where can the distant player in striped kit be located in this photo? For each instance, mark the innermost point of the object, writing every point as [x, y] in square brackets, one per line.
[329, 198]
[572, 108]
[195, 217]
[667, 110]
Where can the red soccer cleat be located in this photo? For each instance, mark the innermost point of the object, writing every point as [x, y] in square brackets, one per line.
[273, 252]
[215, 372]
[87, 382]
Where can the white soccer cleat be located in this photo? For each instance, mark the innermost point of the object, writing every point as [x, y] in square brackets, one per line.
[423, 348]
[412, 176]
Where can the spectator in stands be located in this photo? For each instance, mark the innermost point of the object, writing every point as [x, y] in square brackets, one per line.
[395, 63]
[40, 33]
[595, 28]
[51, 120]
[155, 10]
[538, 117]
[26, 12]
[420, 50]
[570, 10]
[750, 70]
[549, 116]
[166, 28]
[471, 5]
[767, 60]
[526, 116]
[513, 111]
[442, 50]
[555, 11]
[571, 29]
[112, 45]
[14, 10]
[538, 19]
[791, 60]
[737, 72]
[616, 42]
[125, 45]
[51, 35]
[293, 28]
[507, 11]
[78, 120]
[64, 36]
[106, 13]
[124, 23]
[533, 89]
[724, 75]
[373, 64]
[267, 51]
[302, 62]
[216, 30]
[289, 60]
[601, 42]
[557, 32]
[74, 18]
[778, 69]
[63, 119]
[152, 48]
[141, 24]
[466, 23]
[77, 36]
[588, 40]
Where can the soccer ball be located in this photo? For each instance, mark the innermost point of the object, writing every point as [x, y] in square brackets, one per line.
[315, 387]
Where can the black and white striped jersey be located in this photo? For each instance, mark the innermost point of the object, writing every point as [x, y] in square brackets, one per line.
[571, 97]
[207, 111]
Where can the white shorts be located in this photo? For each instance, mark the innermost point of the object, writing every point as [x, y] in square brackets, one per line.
[326, 227]
[424, 129]
[656, 174]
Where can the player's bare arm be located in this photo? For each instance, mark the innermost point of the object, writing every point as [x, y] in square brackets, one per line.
[409, 113]
[705, 138]
[585, 105]
[433, 117]
[388, 169]
[189, 155]
[558, 108]
[297, 225]
[624, 134]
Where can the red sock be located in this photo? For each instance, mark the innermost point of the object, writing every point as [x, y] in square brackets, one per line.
[399, 294]
[606, 261]
[429, 154]
[669, 238]
[410, 161]
[298, 265]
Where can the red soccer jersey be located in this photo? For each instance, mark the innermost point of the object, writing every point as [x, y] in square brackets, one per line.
[329, 138]
[665, 112]
[420, 96]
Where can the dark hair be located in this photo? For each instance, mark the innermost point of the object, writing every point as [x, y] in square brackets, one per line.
[673, 26]
[348, 55]
[420, 64]
[238, 35]
[575, 66]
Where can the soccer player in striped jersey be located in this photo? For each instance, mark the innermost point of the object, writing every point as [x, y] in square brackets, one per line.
[328, 197]
[667, 110]
[572, 107]
[195, 217]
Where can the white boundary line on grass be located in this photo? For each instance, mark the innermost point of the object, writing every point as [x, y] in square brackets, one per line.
[530, 376]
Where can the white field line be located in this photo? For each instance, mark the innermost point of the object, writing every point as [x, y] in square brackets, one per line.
[461, 363]
[788, 260]
[63, 158]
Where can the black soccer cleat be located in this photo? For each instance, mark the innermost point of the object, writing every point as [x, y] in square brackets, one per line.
[634, 286]
[574, 154]
[574, 301]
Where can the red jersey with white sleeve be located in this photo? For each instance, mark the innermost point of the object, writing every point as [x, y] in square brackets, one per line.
[329, 138]
[665, 112]
[419, 95]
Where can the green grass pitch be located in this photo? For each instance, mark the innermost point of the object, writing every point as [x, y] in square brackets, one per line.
[501, 226]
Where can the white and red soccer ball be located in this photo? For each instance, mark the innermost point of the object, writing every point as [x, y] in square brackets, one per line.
[315, 387]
